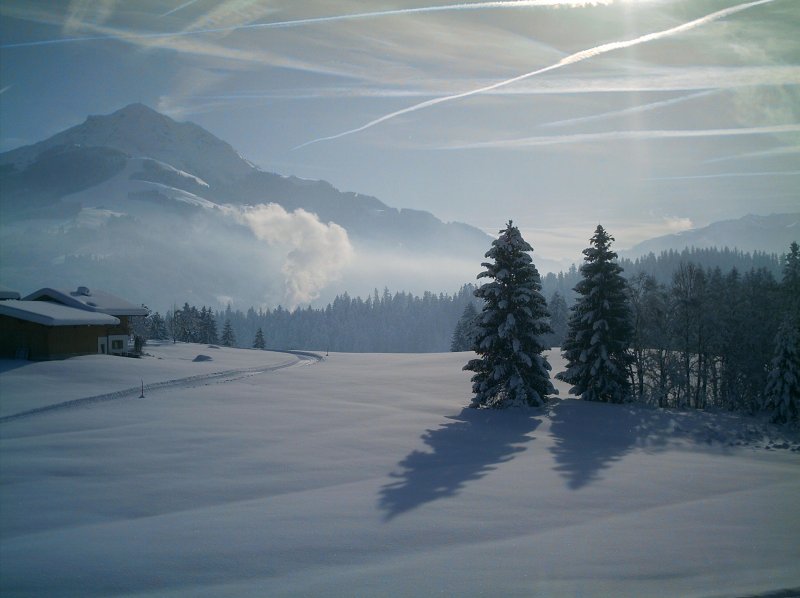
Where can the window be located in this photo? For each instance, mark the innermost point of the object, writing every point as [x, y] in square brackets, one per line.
[116, 345]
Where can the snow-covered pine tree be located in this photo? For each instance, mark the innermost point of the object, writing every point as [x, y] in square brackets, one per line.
[599, 333]
[228, 337]
[208, 327]
[782, 393]
[511, 370]
[464, 334]
[157, 327]
[258, 342]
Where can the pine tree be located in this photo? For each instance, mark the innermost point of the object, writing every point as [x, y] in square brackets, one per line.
[466, 329]
[599, 334]
[791, 279]
[559, 317]
[782, 394]
[157, 328]
[228, 338]
[207, 327]
[258, 343]
[511, 370]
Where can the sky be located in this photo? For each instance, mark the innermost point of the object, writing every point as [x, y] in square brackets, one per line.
[648, 116]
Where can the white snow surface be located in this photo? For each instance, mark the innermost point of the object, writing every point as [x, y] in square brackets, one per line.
[53, 314]
[114, 193]
[85, 299]
[364, 475]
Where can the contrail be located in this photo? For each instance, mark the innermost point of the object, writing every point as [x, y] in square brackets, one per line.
[778, 151]
[177, 8]
[312, 20]
[631, 110]
[426, 9]
[625, 135]
[571, 59]
[721, 175]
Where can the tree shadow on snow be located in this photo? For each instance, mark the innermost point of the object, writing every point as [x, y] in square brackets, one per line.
[590, 437]
[465, 449]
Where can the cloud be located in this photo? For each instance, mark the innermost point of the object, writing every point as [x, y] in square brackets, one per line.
[678, 224]
[314, 253]
[224, 11]
[568, 60]
[709, 79]
[623, 136]
[187, 43]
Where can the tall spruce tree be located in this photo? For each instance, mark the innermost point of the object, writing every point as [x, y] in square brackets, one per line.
[782, 394]
[466, 328]
[790, 283]
[599, 334]
[228, 337]
[511, 370]
[258, 342]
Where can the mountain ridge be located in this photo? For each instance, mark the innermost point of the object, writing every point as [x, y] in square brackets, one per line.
[138, 131]
[771, 234]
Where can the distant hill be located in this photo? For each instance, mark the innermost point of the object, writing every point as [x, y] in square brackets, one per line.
[770, 234]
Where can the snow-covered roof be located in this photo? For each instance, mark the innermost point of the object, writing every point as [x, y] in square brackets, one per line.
[6, 293]
[48, 313]
[89, 300]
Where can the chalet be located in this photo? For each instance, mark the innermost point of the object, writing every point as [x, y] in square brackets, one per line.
[54, 324]
[42, 330]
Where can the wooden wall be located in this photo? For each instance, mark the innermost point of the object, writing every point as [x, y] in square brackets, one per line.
[48, 342]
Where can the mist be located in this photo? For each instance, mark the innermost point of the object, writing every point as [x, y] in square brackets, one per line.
[256, 256]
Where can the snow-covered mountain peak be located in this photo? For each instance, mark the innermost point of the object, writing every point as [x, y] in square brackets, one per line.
[140, 131]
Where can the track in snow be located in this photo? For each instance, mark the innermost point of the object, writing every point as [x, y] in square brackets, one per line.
[302, 357]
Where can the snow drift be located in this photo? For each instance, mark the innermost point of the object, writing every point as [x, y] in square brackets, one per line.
[364, 475]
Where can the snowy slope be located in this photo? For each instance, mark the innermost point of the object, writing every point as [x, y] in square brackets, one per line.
[127, 194]
[362, 475]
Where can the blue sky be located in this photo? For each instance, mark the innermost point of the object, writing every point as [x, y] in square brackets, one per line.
[647, 116]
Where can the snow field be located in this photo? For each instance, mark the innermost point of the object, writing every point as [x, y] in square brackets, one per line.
[363, 475]
[28, 385]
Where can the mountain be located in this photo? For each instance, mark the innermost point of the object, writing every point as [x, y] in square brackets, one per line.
[139, 131]
[769, 234]
[163, 211]
[186, 157]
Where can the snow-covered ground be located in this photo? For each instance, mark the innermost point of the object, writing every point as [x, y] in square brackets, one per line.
[268, 474]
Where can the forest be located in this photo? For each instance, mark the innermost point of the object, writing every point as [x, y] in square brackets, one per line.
[382, 323]
[704, 324]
